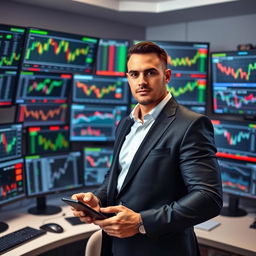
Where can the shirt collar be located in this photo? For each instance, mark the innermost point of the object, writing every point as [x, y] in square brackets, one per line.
[153, 114]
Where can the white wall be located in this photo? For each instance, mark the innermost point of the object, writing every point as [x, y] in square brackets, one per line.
[27, 15]
[222, 33]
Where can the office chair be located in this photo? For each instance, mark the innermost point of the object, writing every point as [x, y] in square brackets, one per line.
[93, 246]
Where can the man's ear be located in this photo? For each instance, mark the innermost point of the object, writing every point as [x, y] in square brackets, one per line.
[168, 74]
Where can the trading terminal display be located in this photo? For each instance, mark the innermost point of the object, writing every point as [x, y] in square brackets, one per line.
[47, 140]
[12, 181]
[101, 89]
[97, 162]
[53, 51]
[189, 64]
[95, 123]
[234, 82]
[35, 87]
[53, 173]
[10, 141]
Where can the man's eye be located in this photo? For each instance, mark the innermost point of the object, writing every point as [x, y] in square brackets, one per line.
[133, 74]
[150, 73]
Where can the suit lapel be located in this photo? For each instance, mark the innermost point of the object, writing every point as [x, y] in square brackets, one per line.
[124, 130]
[158, 128]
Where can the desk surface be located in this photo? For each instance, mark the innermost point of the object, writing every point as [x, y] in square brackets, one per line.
[233, 234]
[20, 218]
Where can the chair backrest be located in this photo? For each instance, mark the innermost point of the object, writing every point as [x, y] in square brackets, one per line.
[93, 247]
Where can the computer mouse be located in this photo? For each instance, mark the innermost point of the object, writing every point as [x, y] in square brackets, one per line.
[52, 227]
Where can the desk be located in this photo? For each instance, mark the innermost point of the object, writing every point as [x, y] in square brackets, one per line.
[19, 218]
[233, 235]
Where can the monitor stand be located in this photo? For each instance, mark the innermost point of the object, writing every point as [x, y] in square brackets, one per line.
[233, 210]
[42, 208]
[3, 226]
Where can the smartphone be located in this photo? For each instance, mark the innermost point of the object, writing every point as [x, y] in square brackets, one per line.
[85, 208]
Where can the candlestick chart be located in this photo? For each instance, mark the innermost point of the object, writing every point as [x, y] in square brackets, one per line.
[235, 139]
[11, 42]
[234, 82]
[94, 122]
[42, 87]
[46, 140]
[186, 57]
[48, 174]
[10, 141]
[55, 51]
[101, 89]
[238, 177]
[97, 161]
[12, 185]
[188, 90]
[7, 87]
[42, 114]
[111, 57]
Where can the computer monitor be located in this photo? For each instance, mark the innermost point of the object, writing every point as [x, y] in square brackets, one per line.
[95, 122]
[42, 114]
[54, 51]
[7, 87]
[10, 141]
[11, 41]
[233, 76]
[238, 180]
[47, 140]
[52, 174]
[111, 57]
[38, 87]
[189, 64]
[100, 89]
[235, 140]
[12, 184]
[97, 161]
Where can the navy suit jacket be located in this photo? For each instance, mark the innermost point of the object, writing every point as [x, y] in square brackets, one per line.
[173, 182]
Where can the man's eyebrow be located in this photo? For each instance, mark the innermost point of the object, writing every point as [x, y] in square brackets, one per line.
[146, 70]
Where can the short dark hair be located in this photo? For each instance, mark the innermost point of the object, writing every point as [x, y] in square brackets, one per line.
[148, 47]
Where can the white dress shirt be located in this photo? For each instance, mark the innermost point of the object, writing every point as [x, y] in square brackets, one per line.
[134, 139]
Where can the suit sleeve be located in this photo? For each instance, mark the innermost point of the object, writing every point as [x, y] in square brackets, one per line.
[200, 171]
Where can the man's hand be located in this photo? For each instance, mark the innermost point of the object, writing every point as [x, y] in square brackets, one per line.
[123, 224]
[89, 199]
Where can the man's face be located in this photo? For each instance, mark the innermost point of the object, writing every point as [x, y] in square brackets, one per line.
[147, 78]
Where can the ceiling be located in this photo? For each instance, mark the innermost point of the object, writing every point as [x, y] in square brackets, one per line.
[149, 12]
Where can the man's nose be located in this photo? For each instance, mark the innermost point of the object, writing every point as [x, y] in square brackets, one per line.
[142, 79]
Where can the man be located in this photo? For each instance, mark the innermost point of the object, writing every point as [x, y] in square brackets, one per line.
[164, 178]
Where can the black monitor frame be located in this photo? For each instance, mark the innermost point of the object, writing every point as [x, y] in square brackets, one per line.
[198, 76]
[39, 64]
[43, 111]
[42, 208]
[120, 96]
[226, 112]
[99, 61]
[10, 31]
[20, 130]
[49, 145]
[95, 130]
[40, 84]
[240, 185]
[8, 80]
[3, 225]
[104, 156]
